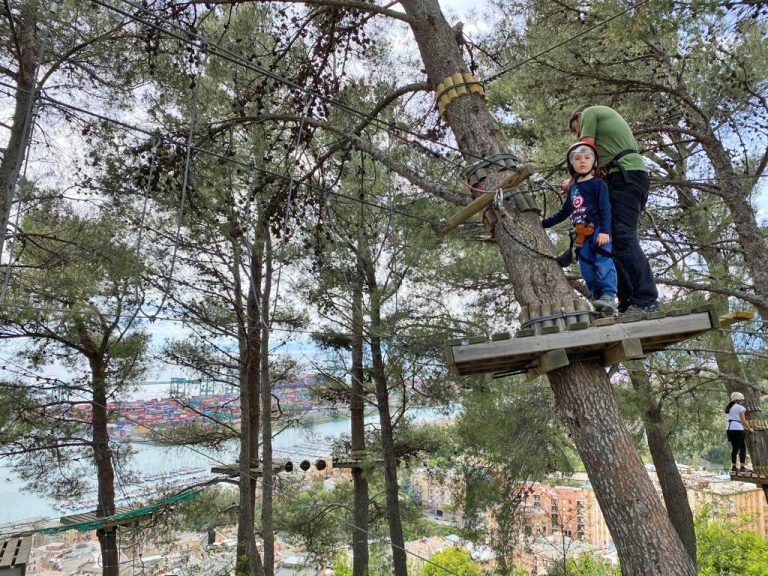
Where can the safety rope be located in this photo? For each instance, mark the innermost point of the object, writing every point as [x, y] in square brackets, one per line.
[201, 57]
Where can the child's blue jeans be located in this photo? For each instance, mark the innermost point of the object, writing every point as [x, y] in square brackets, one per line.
[597, 269]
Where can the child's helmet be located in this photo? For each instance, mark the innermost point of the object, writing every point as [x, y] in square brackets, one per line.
[736, 396]
[573, 149]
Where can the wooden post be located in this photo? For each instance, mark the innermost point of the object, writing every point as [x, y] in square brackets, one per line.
[582, 320]
[568, 306]
[546, 310]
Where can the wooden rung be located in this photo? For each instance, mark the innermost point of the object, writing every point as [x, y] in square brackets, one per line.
[526, 332]
[454, 342]
[476, 339]
[628, 318]
[550, 329]
[655, 315]
[678, 311]
[631, 349]
[501, 336]
[604, 322]
[734, 317]
[579, 326]
[549, 361]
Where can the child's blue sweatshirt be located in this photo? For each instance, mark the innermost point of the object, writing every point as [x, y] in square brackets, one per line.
[587, 202]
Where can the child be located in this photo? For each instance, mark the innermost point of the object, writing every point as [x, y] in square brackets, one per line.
[736, 428]
[589, 207]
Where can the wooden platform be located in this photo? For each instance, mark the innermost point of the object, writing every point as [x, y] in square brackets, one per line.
[611, 342]
[749, 477]
[256, 471]
[14, 553]
[348, 462]
[92, 517]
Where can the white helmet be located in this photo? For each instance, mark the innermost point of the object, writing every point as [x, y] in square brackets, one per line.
[736, 396]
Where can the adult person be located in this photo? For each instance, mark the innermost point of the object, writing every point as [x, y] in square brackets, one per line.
[628, 186]
[736, 429]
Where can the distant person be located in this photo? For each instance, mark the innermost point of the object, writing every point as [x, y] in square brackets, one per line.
[628, 186]
[736, 430]
[589, 208]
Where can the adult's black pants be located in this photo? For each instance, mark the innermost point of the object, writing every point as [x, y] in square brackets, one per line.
[629, 194]
[738, 440]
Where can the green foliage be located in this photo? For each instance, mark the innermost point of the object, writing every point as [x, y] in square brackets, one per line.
[726, 550]
[585, 565]
[457, 560]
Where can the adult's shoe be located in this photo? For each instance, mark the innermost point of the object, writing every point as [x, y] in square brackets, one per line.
[637, 309]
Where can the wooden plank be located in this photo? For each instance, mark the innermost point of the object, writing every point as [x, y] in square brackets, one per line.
[26, 547]
[603, 322]
[483, 201]
[749, 477]
[552, 360]
[629, 318]
[476, 339]
[734, 317]
[8, 551]
[537, 345]
[623, 350]
[679, 312]
[501, 336]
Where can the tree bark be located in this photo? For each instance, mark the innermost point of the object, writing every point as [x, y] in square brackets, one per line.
[248, 561]
[13, 157]
[267, 535]
[105, 473]
[391, 487]
[672, 486]
[644, 537]
[357, 415]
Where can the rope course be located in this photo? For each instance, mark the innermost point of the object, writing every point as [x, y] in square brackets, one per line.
[270, 486]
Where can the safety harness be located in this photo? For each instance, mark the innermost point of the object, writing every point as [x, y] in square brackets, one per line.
[615, 163]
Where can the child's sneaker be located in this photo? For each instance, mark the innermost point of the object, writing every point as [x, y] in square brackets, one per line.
[746, 470]
[606, 305]
[734, 469]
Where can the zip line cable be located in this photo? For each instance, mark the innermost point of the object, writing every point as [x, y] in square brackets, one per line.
[221, 157]
[228, 55]
[289, 199]
[147, 196]
[201, 57]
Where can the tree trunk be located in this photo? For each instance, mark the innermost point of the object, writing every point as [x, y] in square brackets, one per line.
[266, 410]
[391, 488]
[644, 537]
[105, 473]
[13, 157]
[248, 561]
[672, 487]
[357, 414]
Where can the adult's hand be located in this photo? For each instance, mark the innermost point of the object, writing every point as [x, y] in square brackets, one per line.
[564, 185]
